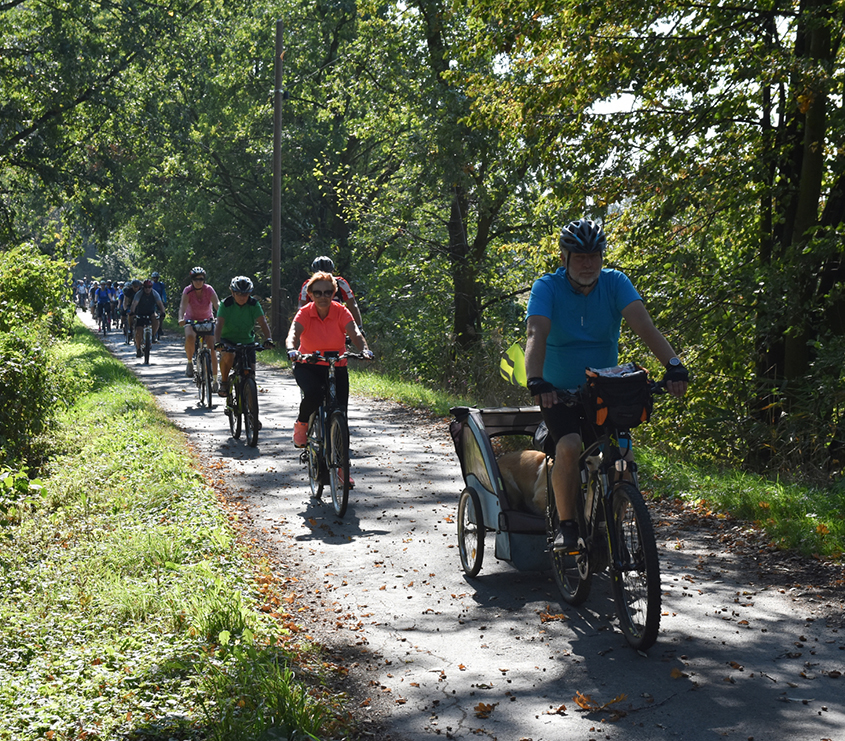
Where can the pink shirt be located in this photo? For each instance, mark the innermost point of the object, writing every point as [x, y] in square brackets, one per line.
[199, 305]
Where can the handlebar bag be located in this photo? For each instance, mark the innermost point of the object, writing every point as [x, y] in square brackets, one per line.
[618, 396]
[206, 327]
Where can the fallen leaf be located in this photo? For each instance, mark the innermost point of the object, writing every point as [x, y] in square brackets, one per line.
[483, 710]
[548, 615]
[586, 702]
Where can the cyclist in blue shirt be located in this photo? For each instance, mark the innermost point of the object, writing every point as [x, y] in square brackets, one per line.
[103, 298]
[574, 321]
[159, 288]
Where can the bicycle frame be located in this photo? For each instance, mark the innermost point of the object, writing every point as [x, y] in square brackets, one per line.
[327, 421]
[145, 323]
[240, 405]
[201, 349]
[606, 467]
[611, 466]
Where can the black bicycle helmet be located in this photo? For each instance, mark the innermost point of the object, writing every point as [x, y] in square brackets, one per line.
[583, 236]
[197, 272]
[322, 264]
[241, 284]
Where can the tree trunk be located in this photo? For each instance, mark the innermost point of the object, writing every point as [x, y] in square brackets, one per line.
[464, 269]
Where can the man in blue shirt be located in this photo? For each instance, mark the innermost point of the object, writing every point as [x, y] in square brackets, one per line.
[574, 322]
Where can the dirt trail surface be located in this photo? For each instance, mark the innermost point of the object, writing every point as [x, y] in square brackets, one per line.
[752, 643]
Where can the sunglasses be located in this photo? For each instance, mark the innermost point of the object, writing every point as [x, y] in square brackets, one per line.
[318, 294]
[198, 277]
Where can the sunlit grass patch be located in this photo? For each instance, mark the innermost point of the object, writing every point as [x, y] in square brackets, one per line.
[409, 393]
[808, 519]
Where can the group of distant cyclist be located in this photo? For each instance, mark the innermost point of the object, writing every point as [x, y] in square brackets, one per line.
[327, 315]
[117, 304]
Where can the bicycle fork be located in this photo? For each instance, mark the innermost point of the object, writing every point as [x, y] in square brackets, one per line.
[621, 559]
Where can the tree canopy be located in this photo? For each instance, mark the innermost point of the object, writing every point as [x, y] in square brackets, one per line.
[434, 149]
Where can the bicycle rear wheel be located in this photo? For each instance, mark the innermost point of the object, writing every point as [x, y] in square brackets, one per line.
[233, 407]
[314, 455]
[249, 404]
[206, 379]
[339, 461]
[635, 567]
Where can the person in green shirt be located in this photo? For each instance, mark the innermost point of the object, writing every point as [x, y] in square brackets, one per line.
[236, 320]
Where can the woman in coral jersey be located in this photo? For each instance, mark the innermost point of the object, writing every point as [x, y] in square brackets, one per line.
[322, 325]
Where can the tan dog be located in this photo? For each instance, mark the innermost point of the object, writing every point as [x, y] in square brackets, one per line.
[524, 474]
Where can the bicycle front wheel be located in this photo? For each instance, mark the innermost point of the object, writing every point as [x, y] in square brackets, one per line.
[339, 462]
[148, 343]
[249, 404]
[206, 379]
[572, 574]
[314, 454]
[635, 567]
[233, 408]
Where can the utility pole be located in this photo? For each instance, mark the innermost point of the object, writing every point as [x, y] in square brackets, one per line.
[276, 284]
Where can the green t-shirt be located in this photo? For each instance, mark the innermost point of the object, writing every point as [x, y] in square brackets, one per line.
[239, 321]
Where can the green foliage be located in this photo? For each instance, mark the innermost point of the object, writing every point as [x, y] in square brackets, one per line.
[257, 696]
[127, 608]
[17, 493]
[35, 313]
[704, 136]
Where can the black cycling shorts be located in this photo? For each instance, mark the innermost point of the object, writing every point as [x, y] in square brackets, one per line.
[563, 420]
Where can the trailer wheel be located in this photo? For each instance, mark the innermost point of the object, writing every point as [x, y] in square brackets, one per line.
[471, 531]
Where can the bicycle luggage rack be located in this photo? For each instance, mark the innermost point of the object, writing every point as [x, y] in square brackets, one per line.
[520, 537]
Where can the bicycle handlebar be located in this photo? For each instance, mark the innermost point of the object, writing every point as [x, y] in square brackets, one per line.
[233, 346]
[330, 357]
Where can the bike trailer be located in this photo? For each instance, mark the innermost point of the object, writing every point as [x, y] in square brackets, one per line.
[520, 537]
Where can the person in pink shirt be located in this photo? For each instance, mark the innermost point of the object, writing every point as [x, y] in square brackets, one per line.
[321, 325]
[199, 303]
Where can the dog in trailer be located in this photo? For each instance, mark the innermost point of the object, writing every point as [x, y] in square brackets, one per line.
[524, 475]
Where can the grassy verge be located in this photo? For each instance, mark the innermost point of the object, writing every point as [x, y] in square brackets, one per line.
[810, 520]
[128, 610]
[364, 382]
